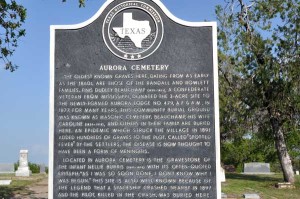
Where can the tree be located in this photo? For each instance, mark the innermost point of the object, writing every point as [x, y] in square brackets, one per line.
[240, 151]
[12, 17]
[260, 72]
[81, 2]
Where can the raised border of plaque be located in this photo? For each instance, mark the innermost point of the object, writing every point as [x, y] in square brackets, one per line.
[53, 28]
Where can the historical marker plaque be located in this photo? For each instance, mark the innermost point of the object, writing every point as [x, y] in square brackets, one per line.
[134, 106]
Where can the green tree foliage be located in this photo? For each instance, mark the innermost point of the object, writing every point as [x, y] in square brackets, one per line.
[240, 151]
[81, 2]
[16, 165]
[35, 168]
[12, 17]
[260, 73]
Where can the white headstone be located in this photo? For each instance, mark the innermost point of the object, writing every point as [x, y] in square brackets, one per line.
[297, 173]
[5, 182]
[251, 196]
[257, 168]
[23, 169]
[223, 178]
[223, 195]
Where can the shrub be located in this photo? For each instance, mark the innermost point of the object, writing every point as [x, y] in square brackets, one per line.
[35, 168]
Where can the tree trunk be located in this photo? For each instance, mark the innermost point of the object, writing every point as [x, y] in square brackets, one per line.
[283, 155]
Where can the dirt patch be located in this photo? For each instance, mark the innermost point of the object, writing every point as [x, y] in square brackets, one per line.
[37, 190]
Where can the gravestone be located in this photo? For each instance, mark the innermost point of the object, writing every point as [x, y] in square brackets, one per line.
[257, 168]
[134, 106]
[251, 196]
[285, 185]
[7, 168]
[23, 169]
[42, 168]
[5, 182]
[297, 173]
[223, 177]
[223, 195]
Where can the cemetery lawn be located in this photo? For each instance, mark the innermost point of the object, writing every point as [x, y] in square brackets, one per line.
[19, 185]
[264, 185]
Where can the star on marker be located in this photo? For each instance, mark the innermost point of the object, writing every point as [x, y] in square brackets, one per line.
[139, 56]
[126, 56]
[132, 56]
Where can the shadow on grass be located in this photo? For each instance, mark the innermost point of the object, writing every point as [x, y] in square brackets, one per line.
[256, 178]
[8, 192]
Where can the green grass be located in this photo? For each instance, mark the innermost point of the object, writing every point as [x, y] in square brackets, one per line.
[18, 185]
[238, 184]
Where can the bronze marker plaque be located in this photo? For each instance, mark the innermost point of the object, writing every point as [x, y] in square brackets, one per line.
[134, 106]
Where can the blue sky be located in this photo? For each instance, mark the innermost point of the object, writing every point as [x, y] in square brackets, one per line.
[24, 98]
